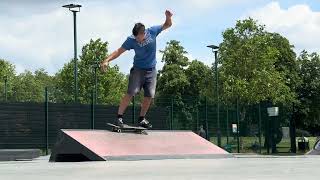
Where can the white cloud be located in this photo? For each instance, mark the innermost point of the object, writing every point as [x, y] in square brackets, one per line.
[207, 4]
[299, 23]
[34, 41]
[45, 40]
[39, 33]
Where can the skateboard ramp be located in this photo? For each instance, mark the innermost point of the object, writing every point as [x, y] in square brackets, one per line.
[101, 145]
[18, 154]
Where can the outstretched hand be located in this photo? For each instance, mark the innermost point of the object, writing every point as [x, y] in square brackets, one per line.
[104, 66]
[168, 14]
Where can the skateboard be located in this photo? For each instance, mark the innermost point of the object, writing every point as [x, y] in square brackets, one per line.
[127, 128]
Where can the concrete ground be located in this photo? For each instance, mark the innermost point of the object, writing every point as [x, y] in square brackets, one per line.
[242, 167]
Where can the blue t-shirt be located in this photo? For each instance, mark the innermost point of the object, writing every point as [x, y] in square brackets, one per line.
[145, 52]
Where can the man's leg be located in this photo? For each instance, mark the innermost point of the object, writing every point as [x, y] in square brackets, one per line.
[124, 104]
[145, 106]
[134, 86]
[149, 88]
[144, 109]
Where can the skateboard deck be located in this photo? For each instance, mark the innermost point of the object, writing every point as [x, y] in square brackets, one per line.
[127, 128]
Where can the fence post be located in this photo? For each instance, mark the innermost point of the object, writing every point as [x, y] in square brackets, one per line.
[95, 85]
[5, 89]
[228, 125]
[197, 129]
[260, 143]
[171, 118]
[46, 121]
[267, 136]
[293, 147]
[92, 109]
[238, 127]
[218, 122]
[207, 125]
[273, 130]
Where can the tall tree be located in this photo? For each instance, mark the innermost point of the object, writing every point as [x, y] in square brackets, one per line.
[172, 79]
[110, 85]
[286, 62]
[7, 73]
[309, 92]
[29, 86]
[63, 87]
[248, 70]
[184, 80]
[200, 78]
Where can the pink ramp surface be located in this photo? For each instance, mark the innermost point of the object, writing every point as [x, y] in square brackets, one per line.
[157, 143]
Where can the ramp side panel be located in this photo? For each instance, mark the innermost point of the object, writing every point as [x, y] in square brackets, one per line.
[68, 145]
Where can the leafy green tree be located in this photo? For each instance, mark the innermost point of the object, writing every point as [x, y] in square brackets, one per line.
[110, 85]
[29, 87]
[248, 71]
[286, 62]
[184, 80]
[309, 91]
[172, 79]
[63, 87]
[7, 72]
[200, 79]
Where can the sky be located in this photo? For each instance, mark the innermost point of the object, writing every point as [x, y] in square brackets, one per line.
[39, 33]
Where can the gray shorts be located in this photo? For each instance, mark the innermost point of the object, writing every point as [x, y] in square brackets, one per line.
[142, 78]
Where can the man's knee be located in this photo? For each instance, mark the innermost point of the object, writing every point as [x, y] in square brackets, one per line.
[149, 93]
[127, 98]
[133, 91]
[129, 95]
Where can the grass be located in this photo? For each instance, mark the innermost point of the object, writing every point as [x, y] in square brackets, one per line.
[246, 144]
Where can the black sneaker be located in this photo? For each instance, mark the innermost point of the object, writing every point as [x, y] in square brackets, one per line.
[145, 124]
[119, 122]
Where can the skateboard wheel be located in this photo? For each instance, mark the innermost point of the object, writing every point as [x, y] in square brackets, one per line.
[119, 130]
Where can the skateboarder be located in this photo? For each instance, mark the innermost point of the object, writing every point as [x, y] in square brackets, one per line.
[143, 74]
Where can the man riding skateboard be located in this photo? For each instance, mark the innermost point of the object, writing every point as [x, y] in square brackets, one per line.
[143, 74]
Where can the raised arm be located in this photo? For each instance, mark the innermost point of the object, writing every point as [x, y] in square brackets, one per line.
[112, 56]
[168, 22]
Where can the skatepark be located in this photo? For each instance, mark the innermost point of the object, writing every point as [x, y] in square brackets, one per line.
[159, 90]
[241, 167]
[177, 155]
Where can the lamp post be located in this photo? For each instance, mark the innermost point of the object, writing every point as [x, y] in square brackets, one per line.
[215, 49]
[95, 66]
[5, 88]
[74, 8]
[272, 113]
[94, 93]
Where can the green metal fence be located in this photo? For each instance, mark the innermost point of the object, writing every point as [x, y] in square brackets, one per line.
[239, 129]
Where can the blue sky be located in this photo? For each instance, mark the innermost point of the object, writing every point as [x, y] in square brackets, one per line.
[38, 33]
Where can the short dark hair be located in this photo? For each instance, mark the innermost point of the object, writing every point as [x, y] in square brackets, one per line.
[138, 28]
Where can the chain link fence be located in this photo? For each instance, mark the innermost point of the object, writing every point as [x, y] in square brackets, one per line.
[234, 127]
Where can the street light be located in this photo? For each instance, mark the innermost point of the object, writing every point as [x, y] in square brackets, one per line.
[74, 8]
[273, 112]
[215, 49]
[5, 88]
[95, 66]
